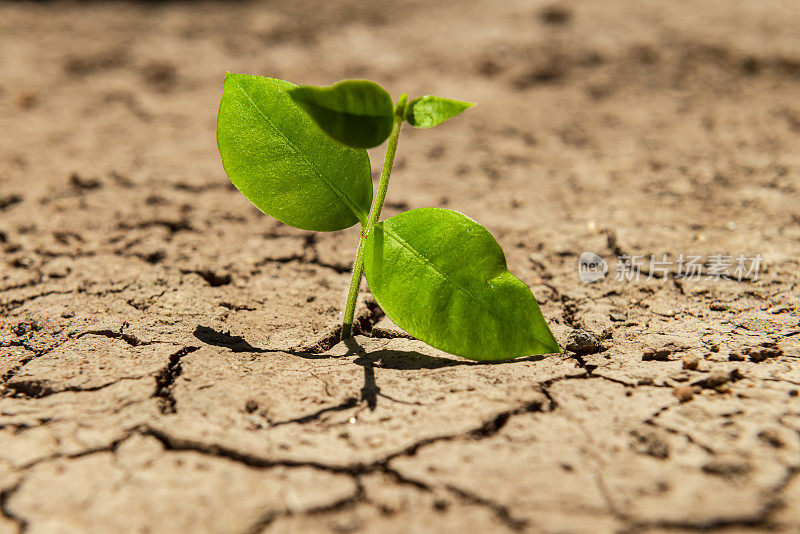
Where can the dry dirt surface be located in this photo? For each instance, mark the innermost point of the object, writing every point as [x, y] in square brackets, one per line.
[168, 355]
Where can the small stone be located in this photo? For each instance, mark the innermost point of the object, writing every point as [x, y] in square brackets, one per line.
[793, 393]
[583, 342]
[660, 355]
[250, 406]
[690, 362]
[441, 505]
[67, 314]
[735, 357]
[764, 352]
[718, 378]
[618, 317]
[683, 393]
[715, 379]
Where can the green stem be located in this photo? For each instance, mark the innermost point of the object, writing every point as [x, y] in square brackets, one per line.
[374, 214]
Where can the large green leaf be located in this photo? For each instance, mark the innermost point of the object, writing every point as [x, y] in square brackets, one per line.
[429, 111]
[442, 277]
[358, 113]
[284, 163]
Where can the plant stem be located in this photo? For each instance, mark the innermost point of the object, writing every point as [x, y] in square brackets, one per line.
[374, 214]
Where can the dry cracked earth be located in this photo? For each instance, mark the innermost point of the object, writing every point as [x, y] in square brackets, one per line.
[168, 355]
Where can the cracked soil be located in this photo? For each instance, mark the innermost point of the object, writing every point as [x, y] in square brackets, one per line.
[168, 355]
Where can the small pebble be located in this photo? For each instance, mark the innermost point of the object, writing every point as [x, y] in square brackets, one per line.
[441, 505]
[735, 357]
[766, 351]
[583, 342]
[690, 362]
[660, 355]
[715, 379]
[718, 378]
[683, 393]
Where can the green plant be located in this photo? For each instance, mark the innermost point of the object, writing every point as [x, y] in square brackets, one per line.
[298, 154]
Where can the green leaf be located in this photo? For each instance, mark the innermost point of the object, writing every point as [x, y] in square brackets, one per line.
[442, 278]
[430, 111]
[358, 113]
[283, 163]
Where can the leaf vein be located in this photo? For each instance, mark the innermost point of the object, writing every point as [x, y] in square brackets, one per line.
[360, 215]
[403, 243]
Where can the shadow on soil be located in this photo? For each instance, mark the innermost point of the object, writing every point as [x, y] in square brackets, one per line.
[404, 360]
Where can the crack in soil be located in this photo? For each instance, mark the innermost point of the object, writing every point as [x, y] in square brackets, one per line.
[501, 512]
[357, 470]
[350, 402]
[346, 502]
[13, 304]
[38, 389]
[14, 370]
[5, 496]
[130, 339]
[486, 429]
[7, 493]
[166, 380]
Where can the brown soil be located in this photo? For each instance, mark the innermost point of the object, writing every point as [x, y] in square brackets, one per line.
[165, 349]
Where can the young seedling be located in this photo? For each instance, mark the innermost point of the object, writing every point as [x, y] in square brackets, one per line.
[298, 153]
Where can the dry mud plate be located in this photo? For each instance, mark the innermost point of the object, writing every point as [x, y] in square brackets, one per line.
[167, 355]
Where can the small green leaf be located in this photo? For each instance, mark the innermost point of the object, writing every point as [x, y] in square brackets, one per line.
[430, 111]
[442, 278]
[283, 163]
[358, 113]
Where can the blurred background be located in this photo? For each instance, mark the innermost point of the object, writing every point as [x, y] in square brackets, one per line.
[673, 101]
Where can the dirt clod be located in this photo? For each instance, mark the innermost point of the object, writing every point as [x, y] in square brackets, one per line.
[718, 378]
[762, 353]
[683, 393]
[690, 362]
[659, 355]
[582, 342]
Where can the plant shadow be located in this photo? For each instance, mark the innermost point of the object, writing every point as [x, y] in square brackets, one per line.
[404, 360]
[225, 339]
[408, 360]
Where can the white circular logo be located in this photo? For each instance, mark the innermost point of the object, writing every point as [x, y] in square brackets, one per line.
[591, 267]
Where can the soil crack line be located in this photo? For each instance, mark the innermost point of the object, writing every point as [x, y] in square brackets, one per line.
[501, 512]
[166, 379]
[345, 502]
[5, 497]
